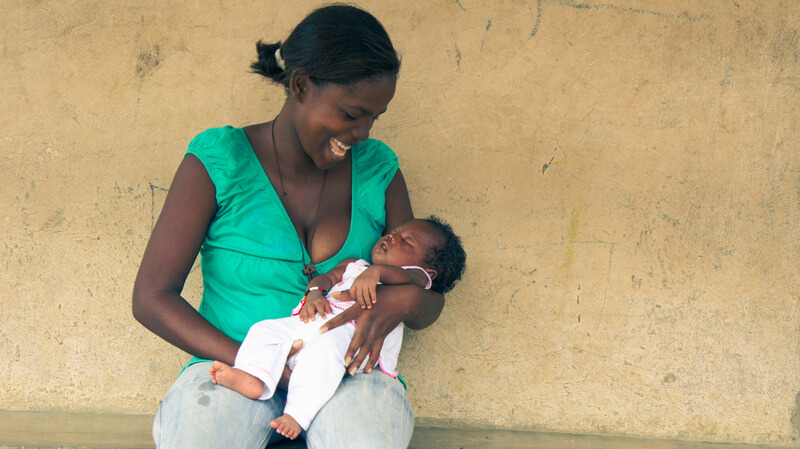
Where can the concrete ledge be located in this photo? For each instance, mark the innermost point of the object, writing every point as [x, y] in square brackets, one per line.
[22, 429]
[90, 430]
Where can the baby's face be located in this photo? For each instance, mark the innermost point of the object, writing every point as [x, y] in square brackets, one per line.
[406, 245]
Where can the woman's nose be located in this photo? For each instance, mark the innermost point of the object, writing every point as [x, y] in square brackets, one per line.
[361, 132]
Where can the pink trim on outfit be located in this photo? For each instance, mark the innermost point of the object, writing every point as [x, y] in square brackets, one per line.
[414, 267]
[254, 367]
[394, 373]
[298, 408]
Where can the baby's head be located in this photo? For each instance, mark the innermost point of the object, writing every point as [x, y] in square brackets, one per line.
[428, 243]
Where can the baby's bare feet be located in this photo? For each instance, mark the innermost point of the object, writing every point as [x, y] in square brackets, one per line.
[286, 426]
[236, 379]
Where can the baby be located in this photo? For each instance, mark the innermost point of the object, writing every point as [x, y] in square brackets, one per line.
[422, 252]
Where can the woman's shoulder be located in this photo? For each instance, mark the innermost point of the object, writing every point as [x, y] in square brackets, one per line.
[374, 166]
[226, 154]
[216, 137]
[372, 155]
[221, 146]
[374, 149]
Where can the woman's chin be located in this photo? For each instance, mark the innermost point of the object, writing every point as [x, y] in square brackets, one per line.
[335, 157]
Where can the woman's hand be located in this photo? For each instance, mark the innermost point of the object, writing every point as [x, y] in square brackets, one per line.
[398, 303]
[372, 327]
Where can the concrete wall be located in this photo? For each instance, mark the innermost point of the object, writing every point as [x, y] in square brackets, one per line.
[625, 175]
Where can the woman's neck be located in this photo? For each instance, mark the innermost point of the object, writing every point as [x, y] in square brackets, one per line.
[291, 156]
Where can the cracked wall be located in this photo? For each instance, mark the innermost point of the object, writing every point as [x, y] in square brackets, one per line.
[625, 176]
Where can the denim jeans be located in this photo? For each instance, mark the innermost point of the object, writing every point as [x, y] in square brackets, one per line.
[367, 411]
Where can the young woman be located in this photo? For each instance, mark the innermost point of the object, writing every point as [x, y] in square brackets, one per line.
[268, 207]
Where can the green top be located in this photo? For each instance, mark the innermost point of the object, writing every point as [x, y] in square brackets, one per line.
[252, 258]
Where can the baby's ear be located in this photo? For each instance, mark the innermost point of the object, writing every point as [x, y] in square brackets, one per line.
[432, 273]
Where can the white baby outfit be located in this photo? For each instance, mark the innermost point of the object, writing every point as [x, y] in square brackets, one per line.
[318, 368]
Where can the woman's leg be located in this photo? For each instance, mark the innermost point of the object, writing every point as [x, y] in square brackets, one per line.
[198, 414]
[367, 411]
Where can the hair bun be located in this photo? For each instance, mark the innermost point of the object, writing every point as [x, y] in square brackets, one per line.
[338, 44]
[268, 64]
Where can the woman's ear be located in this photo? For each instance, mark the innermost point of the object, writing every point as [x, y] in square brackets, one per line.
[299, 86]
[432, 273]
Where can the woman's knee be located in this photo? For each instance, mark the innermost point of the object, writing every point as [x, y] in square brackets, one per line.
[357, 398]
[197, 413]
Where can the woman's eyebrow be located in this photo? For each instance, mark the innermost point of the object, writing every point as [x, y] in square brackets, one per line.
[364, 111]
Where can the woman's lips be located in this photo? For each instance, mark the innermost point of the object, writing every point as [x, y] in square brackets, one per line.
[338, 147]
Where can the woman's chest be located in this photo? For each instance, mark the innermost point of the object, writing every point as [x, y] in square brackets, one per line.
[322, 215]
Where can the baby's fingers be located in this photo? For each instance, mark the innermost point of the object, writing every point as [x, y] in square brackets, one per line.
[321, 311]
[358, 296]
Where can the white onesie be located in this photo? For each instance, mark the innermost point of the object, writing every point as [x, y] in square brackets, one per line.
[318, 368]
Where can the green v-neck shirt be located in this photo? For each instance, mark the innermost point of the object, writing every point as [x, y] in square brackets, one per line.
[252, 259]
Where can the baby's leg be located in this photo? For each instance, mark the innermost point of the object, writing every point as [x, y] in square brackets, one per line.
[264, 351]
[319, 370]
[236, 379]
[286, 426]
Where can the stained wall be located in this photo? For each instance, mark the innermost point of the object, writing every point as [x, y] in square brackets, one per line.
[625, 176]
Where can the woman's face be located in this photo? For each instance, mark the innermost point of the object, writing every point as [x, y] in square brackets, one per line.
[332, 118]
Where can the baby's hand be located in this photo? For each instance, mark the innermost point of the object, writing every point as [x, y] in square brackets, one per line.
[315, 304]
[363, 288]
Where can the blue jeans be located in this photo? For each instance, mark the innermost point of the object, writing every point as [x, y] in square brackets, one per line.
[367, 411]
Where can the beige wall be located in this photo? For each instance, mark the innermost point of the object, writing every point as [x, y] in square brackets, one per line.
[625, 175]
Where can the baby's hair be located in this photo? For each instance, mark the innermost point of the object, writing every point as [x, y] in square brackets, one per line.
[338, 44]
[448, 259]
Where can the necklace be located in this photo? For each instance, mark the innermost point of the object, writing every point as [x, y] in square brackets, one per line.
[308, 268]
[275, 151]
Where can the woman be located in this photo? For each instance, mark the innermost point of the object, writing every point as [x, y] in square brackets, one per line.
[269, 205]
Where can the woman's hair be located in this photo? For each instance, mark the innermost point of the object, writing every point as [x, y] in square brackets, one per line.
[448, 259]
[338, 44]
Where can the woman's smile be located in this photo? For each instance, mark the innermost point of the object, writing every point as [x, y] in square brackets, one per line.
[338, 148]
[330, 119]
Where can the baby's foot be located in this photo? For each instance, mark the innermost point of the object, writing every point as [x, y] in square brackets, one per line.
[236, 379]
[286, 426]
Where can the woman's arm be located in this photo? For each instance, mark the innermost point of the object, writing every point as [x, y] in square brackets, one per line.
[397, 304]
[398, 204]
[425, 306]
[170, 254]
[417, 307]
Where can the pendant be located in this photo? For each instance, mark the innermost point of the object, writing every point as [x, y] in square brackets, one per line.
[310, 271]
